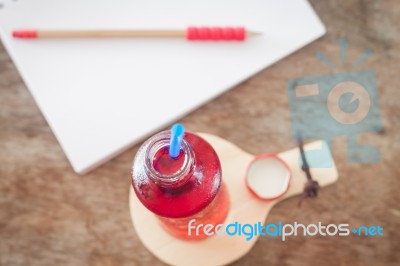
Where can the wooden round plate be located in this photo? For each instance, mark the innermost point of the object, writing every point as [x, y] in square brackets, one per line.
[245, 207]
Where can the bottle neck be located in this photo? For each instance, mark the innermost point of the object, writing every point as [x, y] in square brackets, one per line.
[164, 170]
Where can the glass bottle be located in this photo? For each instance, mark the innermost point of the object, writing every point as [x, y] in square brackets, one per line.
[180, 189]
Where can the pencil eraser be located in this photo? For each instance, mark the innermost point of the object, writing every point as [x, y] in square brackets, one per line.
[25, 34]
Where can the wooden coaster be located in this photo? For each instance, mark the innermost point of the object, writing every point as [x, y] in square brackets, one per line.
[244, 208]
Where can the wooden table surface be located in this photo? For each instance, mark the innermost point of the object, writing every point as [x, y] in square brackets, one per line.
[51, 216]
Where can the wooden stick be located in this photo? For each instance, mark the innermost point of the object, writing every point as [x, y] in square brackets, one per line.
[109, 33]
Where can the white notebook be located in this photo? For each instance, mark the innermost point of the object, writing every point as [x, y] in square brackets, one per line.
[101, 96]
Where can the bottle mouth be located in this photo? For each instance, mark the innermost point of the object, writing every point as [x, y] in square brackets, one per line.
[158, 143]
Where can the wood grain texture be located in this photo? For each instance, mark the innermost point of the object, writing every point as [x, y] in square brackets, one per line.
[51, 216]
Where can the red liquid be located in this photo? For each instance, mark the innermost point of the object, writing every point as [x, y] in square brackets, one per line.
[202, 196]
[214, 214]
[166, 165]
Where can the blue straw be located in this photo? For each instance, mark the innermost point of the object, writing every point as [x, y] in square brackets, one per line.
[175, 143]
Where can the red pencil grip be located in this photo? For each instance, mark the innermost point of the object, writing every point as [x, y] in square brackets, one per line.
[215, 34]
[25, 34]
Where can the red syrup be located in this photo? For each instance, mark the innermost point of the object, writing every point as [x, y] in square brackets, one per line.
[180, 189]
[166, 165]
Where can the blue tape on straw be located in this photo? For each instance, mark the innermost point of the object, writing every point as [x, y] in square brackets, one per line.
[175, 143]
